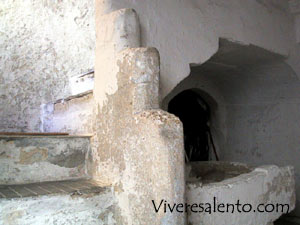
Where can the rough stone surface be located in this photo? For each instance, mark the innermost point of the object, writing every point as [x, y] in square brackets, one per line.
[129, 133]
[115, 31]
[72, 209]
[132, 135]
[37, 159]
[42, 45]
[262, 185]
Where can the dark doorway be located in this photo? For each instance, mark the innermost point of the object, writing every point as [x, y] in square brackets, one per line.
[194, 113]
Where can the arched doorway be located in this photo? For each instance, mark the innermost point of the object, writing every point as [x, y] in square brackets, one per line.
[194, 113]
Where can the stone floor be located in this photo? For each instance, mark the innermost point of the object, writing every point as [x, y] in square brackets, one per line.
[73, 187]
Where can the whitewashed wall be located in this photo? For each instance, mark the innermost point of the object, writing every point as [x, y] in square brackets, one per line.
[256, 116]
[187, 31]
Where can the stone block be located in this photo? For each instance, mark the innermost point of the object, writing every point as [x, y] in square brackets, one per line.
[28, 159]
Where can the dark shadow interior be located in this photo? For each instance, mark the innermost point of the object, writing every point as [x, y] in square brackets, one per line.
[194, 113]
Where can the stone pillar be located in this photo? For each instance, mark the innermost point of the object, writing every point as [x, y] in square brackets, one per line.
[137, 148]
[151, 143]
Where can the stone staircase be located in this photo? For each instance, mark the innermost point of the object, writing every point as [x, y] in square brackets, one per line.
[44, 180]
[136, 147]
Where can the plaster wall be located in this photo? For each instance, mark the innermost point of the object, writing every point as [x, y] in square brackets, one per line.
[52, 41]
[42, 45]
[294, 59]
[294, 6]
[187, 32]
[297, 28]
[255, 113]
[263, 118]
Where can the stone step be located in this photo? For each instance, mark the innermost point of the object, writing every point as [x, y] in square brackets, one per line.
[73, 115]
[74, 112]
[71, 187]
[64, 202]
[31, 159]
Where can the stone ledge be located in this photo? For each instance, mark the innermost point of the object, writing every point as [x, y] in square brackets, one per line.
[31, 159]
[73, 187]
[93, 205]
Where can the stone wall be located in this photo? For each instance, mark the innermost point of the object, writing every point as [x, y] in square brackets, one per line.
[42, 45]
[46, 52]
